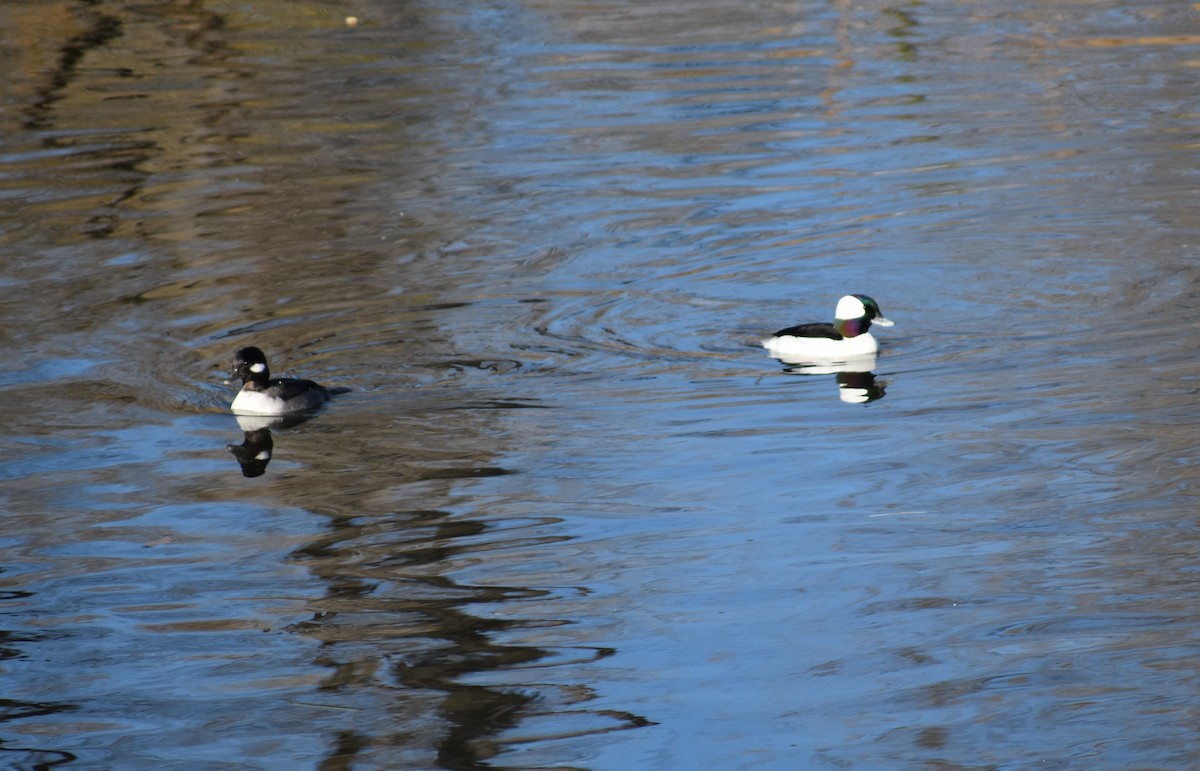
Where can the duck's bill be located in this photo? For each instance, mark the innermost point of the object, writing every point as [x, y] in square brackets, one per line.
[881, 321]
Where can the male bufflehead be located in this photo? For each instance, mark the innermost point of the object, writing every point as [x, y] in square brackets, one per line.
[846, 338]
[260, 395]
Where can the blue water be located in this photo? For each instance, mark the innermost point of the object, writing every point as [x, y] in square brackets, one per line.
[569, 514]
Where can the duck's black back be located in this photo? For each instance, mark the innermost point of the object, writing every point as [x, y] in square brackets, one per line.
[811, 330]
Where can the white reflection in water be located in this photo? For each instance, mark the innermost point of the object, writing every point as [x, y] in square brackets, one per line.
[855, 377]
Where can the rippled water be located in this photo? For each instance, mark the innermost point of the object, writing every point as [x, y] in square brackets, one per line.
[569, 514]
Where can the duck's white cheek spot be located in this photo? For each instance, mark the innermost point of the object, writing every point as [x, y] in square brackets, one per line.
[256, 368]
[264, 455]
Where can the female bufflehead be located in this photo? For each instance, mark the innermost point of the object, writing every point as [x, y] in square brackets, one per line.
[260, 395]
[846, 338]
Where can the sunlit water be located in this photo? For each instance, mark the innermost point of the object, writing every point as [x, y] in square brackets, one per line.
[570, 514]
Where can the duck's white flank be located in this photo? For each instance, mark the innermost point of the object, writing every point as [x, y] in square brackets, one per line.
[787, 347]
[256, 403]
[262, 403]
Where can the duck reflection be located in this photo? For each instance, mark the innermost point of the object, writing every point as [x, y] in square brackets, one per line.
[254, 453]
[855, 378]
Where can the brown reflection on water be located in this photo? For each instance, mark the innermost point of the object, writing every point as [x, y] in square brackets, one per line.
[422, 619]
[181, 146]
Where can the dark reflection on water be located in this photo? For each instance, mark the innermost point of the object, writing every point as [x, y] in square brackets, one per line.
[254, 453]
[568, 514]
[460, 643]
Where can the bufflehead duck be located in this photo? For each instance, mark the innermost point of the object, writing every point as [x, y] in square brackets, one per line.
[846, 338]
[260, 395]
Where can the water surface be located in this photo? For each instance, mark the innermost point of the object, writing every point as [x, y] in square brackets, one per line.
[570, 515]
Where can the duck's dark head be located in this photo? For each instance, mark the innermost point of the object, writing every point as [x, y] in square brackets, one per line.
[250, 364]
[855, 313]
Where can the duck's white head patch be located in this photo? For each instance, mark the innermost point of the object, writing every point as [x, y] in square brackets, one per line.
[850, 307]
[256, 368]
